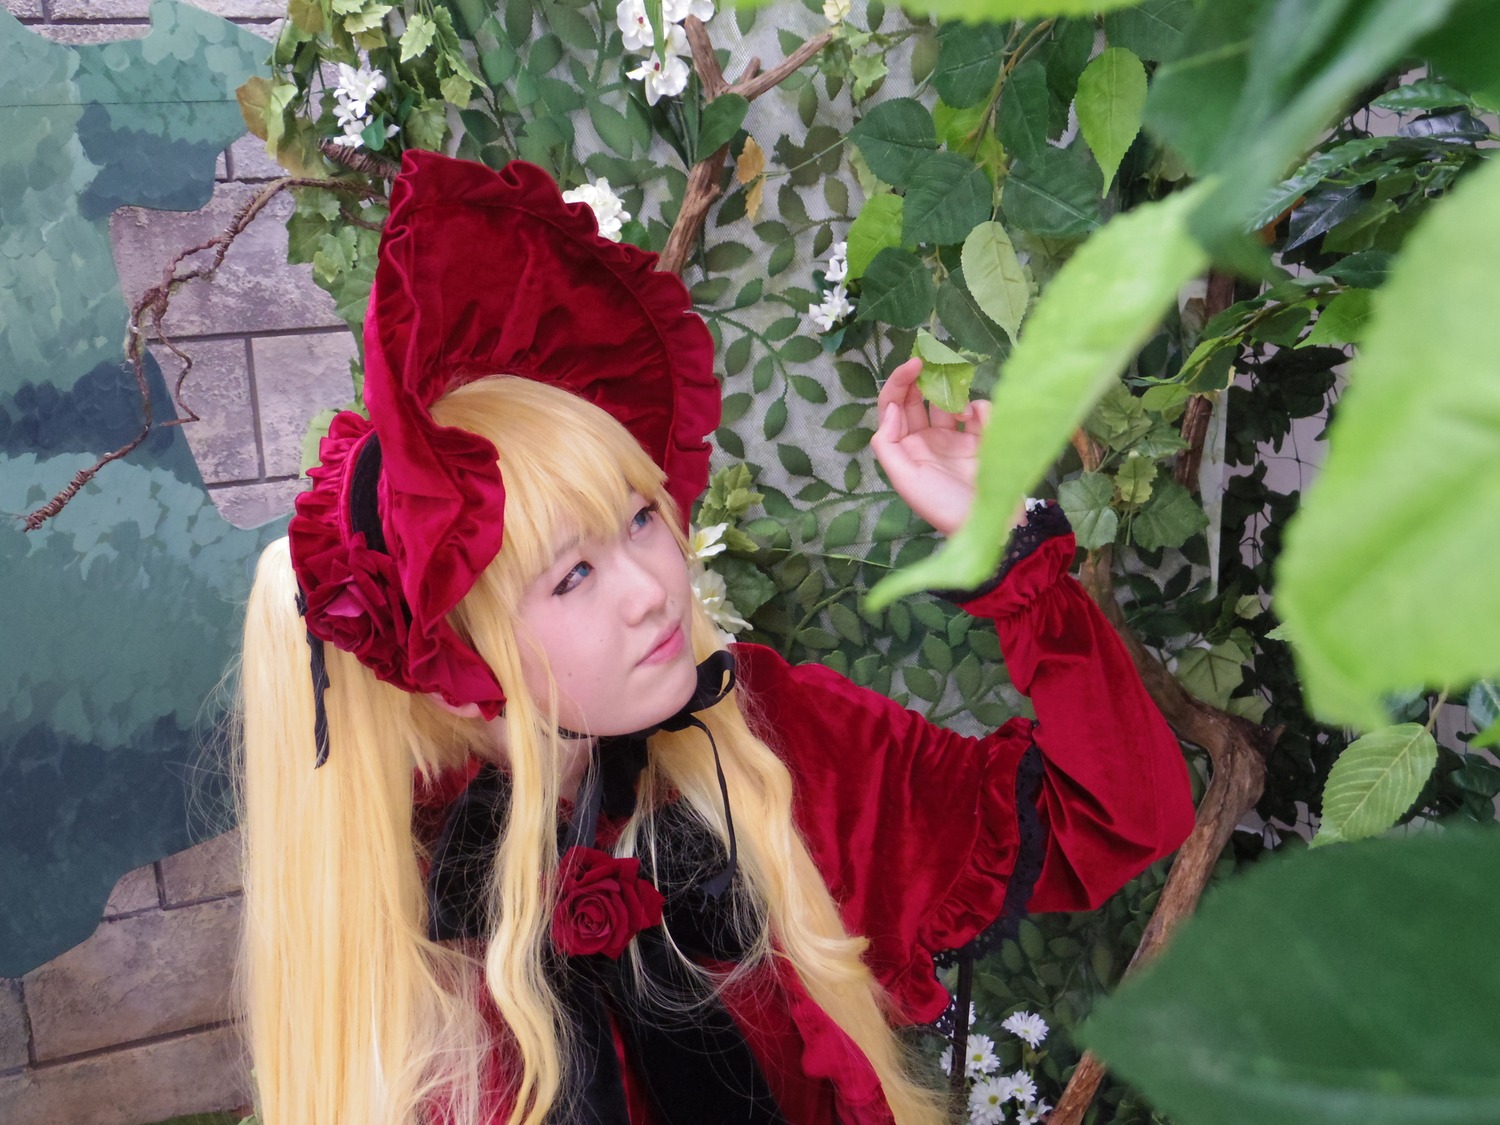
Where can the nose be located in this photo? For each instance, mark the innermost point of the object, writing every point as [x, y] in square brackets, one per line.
[643, 594]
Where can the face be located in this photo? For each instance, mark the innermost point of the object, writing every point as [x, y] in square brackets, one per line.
[611, 620]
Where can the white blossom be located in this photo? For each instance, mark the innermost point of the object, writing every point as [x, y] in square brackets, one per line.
[979, 1057]
[838, 270]
[635, 25]
[675, 11]
[1027, 1025]
[707, 542]
[710, 590]
[357, 88]
[986, 1102]
[1032, 1114]
[1019, 1086]
[609, 211]
[833, 308]
[836, 11]
[665, 77]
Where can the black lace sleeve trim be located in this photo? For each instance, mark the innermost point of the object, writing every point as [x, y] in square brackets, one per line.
[1044, 520]
[1023, 878]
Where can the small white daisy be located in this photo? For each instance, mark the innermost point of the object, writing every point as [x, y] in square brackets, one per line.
[1026, 1025]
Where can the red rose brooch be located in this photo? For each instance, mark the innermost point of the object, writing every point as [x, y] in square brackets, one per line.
[602, 902]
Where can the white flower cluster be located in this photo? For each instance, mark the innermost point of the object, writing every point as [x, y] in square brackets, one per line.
[836, 11]
[609, 211]
[835, 305]
[355, 91]
[665, 75]
[989, 1091]
[709, 587]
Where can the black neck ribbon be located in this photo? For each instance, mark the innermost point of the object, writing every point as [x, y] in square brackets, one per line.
[691, 1058]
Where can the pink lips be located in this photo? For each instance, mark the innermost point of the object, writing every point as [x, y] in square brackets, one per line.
[667, 648]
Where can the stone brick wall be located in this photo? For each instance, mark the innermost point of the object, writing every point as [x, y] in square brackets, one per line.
[135, 1025]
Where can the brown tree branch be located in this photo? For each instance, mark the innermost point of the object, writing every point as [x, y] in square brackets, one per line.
[1200, 408]
[703, 181]
[152, 307]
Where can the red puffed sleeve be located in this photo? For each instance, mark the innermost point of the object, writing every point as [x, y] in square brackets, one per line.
[918, 831]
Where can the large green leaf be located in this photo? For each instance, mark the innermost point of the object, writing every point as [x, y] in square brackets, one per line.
[1152, 30]
[1055, 194]
[995, 276]
[1085, 501]
[1352, 985]
[1111, 97]
[1097, 312]
[897, 288]
[1256, 82]
[976, 11]
[877, 226]
[946, 375]
[895, 138]
[721, 119]
[1381, 584]
[948, 197]
[968, 64]
[1374, 782]
[1022, 118]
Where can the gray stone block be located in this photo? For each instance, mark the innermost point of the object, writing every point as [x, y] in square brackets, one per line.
[210, 870]
[25, 9]
[13, 1033]
[204, 1072]
[139, 9]
[248, 160]
[250, 505]
[295, 378]
[136, 890]
[145, 975]
[217, 390]
[75, 33]
[256, 290]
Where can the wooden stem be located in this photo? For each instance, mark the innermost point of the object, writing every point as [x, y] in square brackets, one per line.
[703, 181]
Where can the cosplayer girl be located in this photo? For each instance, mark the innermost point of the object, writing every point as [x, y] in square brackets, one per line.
[525, 842]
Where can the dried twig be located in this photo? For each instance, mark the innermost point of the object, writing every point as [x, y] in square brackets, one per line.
[1200, 408]
[152, 307]
[703, 180]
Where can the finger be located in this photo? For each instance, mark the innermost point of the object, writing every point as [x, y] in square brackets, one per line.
[979, 416]
[886, 443]
[901, 389]
[942, 420]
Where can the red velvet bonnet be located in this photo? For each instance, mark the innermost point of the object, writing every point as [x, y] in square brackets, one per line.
[482, 273]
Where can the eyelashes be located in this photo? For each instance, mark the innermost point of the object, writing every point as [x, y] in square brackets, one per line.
[638, 522]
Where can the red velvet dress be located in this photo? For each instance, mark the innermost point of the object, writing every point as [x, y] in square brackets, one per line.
[916, 829]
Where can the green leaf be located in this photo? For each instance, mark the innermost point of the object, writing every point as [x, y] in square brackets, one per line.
[1056, 194]
[877, 226]
[975, 11]
[1152, 29]
[896, 288]
[1100, 308]
[1347, 985]
[1256, 82]
[721, 120]
[945, 376]
[1342, 321]
[1378, 581]
[795, 460]
[612, 127]
[995, 276]
[895, 138]
[1111, 97]
[1374, 782]
[456, 90]
[968, 64]
[1425, 93]
[417, 37]
[1212, 674]
[1085, 501]
[947, 196]
[1484, 710]
[1133, 479]
[1022, 119]
[1464, 49]
[966, 323]
[1170, 518]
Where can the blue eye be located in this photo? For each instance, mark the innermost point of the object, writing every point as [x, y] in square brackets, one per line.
[644, 517]
[573, 578]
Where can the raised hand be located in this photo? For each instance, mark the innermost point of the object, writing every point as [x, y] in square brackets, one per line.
[930, 455]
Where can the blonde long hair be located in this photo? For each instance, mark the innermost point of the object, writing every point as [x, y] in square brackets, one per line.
[353, 1014]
